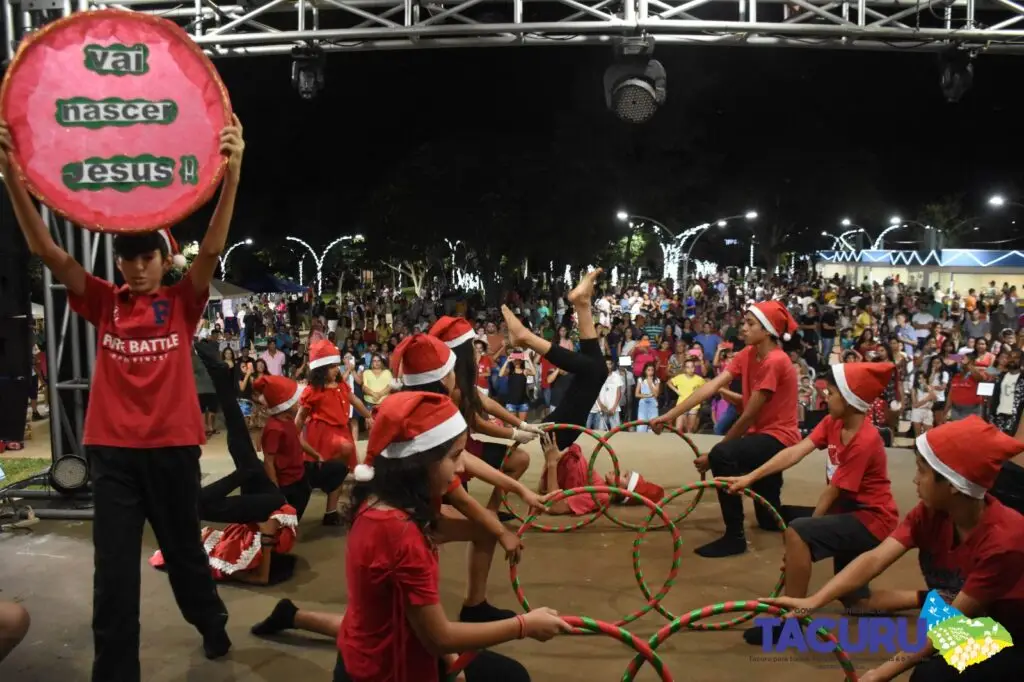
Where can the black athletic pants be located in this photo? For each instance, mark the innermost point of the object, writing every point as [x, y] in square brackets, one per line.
[588, 372]
[130, 487]
[259, 496]
[486, 667]
[738, 457]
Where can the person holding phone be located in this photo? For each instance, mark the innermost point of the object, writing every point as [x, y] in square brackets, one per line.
[516, 373]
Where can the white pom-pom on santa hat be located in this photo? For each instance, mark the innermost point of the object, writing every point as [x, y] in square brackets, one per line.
[177, 260]
[363, 473]
[775, 319]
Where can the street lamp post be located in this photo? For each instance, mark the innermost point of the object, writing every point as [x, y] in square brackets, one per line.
[669, 252]
[701, 229]
[227, 254]
[319, 259]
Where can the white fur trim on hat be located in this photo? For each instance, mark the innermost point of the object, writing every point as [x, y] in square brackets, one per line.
[763, 319]
[458, 341]
[431, 438]
[286, 405]
[969, 488]
[323, 362]
[854, 400]
[634, 478]
[431, 376]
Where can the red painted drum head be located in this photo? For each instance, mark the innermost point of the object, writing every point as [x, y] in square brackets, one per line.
[116, 119]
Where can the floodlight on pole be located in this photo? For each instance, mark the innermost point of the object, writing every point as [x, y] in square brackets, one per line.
[622, 215]
[227, 254]
[997, 200]
[845, 222]
[895, 220]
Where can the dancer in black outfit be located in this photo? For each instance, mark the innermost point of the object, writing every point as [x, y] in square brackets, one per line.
[259, 496]
[587, 367]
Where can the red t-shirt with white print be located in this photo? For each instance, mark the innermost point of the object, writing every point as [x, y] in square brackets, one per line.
[143, 391]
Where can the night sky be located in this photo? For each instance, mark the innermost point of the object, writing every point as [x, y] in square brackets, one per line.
[517, 141]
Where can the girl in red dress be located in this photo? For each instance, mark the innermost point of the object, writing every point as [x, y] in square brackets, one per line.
[395, 629]
[326, 438]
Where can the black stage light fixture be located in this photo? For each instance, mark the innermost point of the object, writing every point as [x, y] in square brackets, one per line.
[956, 67]
[635, 85]
[308, 71]
[69, 474]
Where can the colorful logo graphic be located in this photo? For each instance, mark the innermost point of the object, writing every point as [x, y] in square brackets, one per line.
[962, 641]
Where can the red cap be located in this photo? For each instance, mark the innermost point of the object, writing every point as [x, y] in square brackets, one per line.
[775, 319]
[323, 354]
[280, 393]
[968, 453]
[408, 423]
[860, 383]
[454, 331]
[421, 359]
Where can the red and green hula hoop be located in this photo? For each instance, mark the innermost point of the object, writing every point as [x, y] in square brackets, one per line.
[752, 608]
[677, 548]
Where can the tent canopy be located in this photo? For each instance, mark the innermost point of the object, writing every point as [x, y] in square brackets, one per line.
[220, 290]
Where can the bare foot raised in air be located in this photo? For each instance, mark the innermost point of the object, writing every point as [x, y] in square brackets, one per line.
[518, 334]
[584, 291]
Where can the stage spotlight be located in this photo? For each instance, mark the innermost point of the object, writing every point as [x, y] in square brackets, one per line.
[308, 71]
[957, 73]
[635, 85]
[69, 474]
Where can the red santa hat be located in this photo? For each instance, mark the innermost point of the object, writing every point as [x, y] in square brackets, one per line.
[644, 488]
[409, 423]
[454, 331]
[323, 354]
[775, 319]
[177, 259]
[280, 393]
[421, 359]
[860, 383]
[968, 453]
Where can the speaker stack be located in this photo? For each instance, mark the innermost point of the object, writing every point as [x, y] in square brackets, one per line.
[16, 327]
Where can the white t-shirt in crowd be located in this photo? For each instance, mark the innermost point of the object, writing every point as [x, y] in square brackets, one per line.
[612, 385]
[922, 318]
[1009, 387]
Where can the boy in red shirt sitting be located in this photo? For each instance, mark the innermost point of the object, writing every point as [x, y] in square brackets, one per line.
[856, 510]
[143, 427]
[767, 423]
[968, 546]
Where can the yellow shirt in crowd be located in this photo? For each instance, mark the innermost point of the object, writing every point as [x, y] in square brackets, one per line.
[685, 385]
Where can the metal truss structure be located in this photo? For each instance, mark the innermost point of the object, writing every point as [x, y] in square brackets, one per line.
[262, 27]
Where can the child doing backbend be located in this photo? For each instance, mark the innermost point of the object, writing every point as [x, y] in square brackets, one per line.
[856, 510]
[254, 547]
[968, 547]
[566, 469]
[327, 439]
[395, 628]
[143, 428]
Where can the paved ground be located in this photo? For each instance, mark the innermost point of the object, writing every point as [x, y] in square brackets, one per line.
[587, 572]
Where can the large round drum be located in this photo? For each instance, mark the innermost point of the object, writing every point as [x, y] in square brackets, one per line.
[116, 118]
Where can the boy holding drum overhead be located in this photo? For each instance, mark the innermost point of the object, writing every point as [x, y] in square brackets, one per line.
[144, 434]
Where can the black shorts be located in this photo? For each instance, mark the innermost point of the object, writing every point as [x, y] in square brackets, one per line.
[841, 537]
[493, 453]
[326, 476]
[208, 403]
